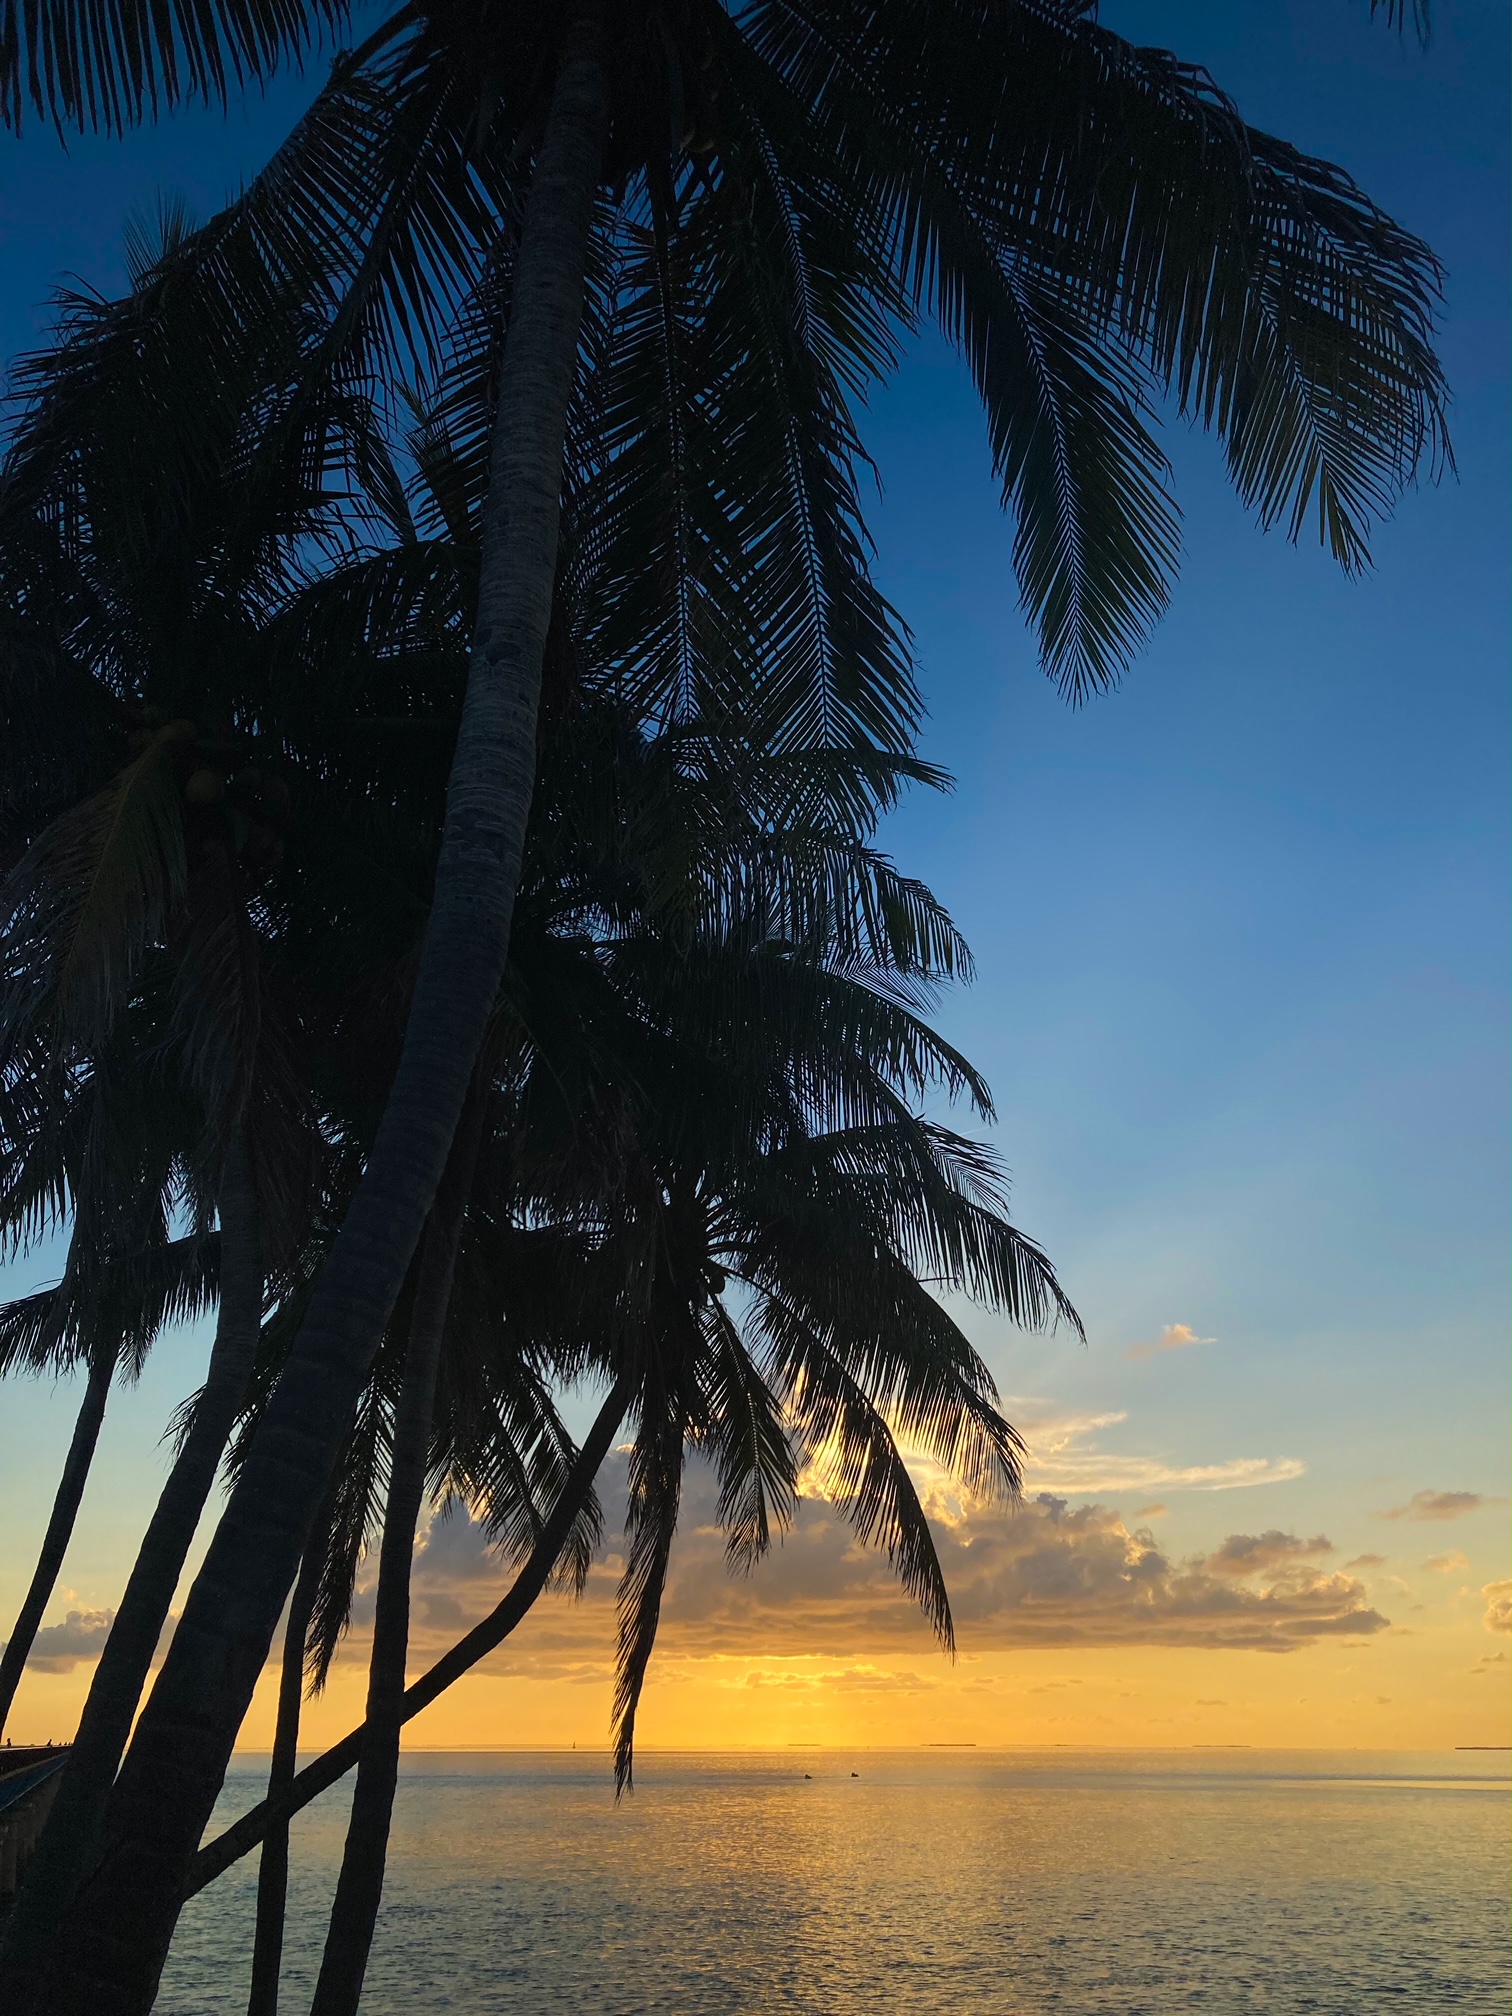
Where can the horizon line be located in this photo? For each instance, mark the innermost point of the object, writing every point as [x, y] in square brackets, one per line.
[987, 1749]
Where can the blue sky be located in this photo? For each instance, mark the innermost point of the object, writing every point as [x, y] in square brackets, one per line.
[1240, 927]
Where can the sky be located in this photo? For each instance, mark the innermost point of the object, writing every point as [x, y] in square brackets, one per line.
[1240, 932]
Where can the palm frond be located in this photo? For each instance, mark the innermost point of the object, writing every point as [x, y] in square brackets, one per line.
[359, 1486]
[113, 1305]
[868, 1478]
[217, 1012]
[33, 1329]
[93, 892]
[110, 66]
[925, 1193]
[758, 1476]
[1027, 150]
[729, 573]
[655, 1489]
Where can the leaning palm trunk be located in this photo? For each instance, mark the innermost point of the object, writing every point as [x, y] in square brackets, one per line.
[540, 1565]
[70, 1838]
[273, 1865]
[60, 1527]
[359, 1890]
[123, 1919]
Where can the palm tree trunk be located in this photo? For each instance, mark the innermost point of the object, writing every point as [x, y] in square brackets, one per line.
[60, 1527]
[273, 1865]
[359, 1889]
[68, 1844]
[118, 1936]
[333, 1764]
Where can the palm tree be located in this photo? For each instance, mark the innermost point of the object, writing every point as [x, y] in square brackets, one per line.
[112, 549]
[146, 1061]
[689, 851]
[493, 1441]
[103, 1320]
[362, 1866]
[273, 1865]
[65, 1510]
[85, 528]
[624, 830]
[685, 843]
[1091, 223]
[50, 946]
[99, 1145]
[838, 1341]
[98, 1142]
[323, 744]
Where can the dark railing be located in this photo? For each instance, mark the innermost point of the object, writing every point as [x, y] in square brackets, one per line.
[28, 1784]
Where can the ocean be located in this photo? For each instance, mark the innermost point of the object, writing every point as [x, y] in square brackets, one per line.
[928, 1883]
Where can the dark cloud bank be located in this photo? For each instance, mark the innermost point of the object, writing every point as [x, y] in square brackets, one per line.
[58, 1648]
[1048, 1575]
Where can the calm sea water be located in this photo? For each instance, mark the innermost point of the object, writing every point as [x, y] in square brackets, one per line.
[931, 1883]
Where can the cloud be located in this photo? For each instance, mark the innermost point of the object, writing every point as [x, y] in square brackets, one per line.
[847, 1680]
[1367, 1561]
[1498, 1597]
[1047, 1575]
[58, 1648]
[80, 1638]
[1155, 1511]
[1437, 1505]
[443, 1612]
[454, 1550]
[1263, 1553]
[1488, 1660]
[1174, 1337]
[1448, 1564]
[1064, 1456]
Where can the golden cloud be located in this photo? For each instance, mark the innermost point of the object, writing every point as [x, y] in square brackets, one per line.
[1174, 1337]
[1437, 1505]
[1244, 1554]
[1045, 1575]
[58, 1648]
[1498, 1597]
[1065, 1457]
[855, 1679]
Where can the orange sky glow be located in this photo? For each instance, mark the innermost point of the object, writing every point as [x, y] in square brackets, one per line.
[1075, 1625]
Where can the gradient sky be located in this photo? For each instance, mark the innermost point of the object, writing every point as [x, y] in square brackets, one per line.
[1242, 957]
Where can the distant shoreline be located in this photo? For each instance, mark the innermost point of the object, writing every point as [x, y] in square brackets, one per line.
[921, 1749]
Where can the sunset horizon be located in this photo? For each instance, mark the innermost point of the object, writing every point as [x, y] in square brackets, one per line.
[754, 946]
